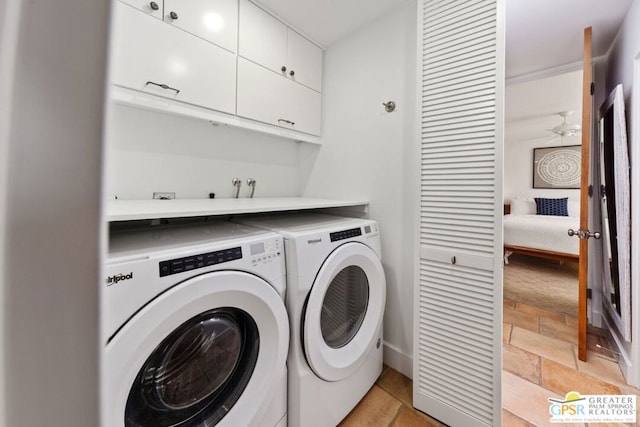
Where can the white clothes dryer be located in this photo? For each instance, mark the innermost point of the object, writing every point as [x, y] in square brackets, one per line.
[194, 328]
[336, 291]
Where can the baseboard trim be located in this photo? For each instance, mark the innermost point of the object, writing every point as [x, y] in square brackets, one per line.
[596, 318]
[624, 361]
[396, 359]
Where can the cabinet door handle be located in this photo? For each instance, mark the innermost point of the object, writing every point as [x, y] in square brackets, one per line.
[154, 5]
[292, 73]
[283, 69]
[163, 86]
[173, 15]
[289, 122]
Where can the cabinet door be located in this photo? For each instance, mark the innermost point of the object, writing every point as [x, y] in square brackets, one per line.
[212, 20]
[147, 54]
[304, 61]
[261, 95]
[136, 36]
[263, 39]
[304, 107]
[151, 7]
[267, 97]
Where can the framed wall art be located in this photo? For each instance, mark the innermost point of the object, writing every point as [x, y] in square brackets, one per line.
[557, 167]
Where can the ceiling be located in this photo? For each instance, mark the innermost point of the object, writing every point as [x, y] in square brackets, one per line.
[532, 107]
[541, 34]
[327, 21]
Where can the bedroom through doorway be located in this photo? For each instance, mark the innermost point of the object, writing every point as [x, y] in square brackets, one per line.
[540, 281]
[542, 197]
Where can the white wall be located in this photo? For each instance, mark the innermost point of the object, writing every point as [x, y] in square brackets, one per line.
[622, 58]
[518, 170]
[50, 223]
[532, 109]
[150, 151]
[622, 53]
[368, 153]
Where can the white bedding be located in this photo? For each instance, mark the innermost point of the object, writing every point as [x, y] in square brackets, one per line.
[542, 232]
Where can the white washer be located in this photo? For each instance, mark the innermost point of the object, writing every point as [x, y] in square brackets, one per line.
[336, 292]
[194, 328]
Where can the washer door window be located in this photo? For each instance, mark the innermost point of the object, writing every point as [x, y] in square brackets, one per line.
[197, 373]
[212, 350]
[344, 311]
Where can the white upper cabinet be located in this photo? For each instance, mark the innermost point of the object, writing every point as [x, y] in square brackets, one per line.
[153, 8]
[270, 43]
[304, 61]
[269, 98]
[217, 56]
[263, 38]
[212, 20]
[153, 57]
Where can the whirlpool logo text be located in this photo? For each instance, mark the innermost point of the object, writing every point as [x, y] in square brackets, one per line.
[113, 280]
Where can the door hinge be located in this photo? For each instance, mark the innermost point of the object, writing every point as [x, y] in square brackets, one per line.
[590, 191]
[593, 88]
[589, 293]
[603, 191]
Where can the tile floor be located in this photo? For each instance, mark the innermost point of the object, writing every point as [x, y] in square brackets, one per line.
[389, 403]
[539, 361]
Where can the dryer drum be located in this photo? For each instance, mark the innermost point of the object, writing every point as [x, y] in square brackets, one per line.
[196, 374]
[344, 306]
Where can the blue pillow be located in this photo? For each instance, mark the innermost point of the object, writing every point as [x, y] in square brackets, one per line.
[555, 207]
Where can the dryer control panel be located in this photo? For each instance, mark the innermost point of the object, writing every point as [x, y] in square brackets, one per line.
[346, 234]
[193, 262]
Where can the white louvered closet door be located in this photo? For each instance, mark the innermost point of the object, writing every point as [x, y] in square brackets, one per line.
[458, 299]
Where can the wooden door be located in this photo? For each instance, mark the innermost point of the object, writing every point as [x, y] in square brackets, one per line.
[584, 198]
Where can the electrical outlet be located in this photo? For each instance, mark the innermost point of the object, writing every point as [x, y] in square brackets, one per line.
[164, 195]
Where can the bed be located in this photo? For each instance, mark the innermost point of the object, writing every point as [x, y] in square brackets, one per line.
[543, 236]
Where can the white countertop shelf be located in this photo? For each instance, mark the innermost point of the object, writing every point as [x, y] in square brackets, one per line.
[129, 210]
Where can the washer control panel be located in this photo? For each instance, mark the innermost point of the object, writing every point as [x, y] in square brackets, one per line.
[265, 252]
[180, 265]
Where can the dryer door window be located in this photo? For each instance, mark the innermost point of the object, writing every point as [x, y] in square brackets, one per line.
[343, 315]
[196, 375]
[344, 306]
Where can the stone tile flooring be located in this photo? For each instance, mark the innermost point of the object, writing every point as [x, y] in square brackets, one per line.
[389, 403]
[542, 362]
[539, 361]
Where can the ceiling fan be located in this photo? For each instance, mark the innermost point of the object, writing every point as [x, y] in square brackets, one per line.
[565, 128]
[558, 133]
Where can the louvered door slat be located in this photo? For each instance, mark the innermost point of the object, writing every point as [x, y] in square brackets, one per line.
[451, 9]
[458, 307]
[454, 57]
[463, 41]
[448, 97]
[461, 37]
